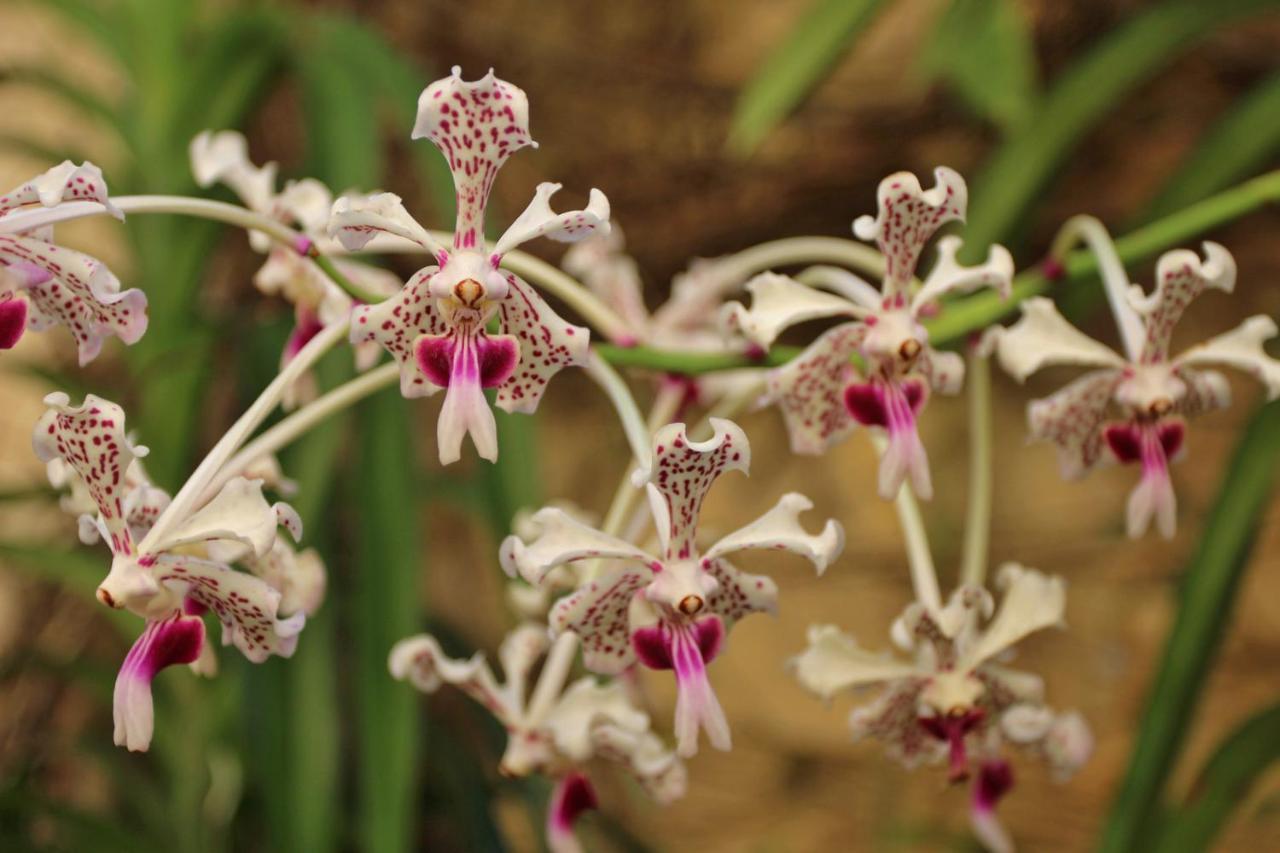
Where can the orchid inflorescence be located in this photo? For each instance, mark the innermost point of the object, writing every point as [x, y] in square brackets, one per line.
[619, 594]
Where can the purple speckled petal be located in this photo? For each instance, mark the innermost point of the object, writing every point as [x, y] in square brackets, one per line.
[173, 640]
[397, 323]
[64, 182]
[1180, 277]
[598, 613]
[809, 389]
[1072, 419]
[547, 345]
[539, 220]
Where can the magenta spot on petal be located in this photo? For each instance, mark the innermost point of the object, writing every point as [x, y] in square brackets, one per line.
[573, 796]
[498, 357]
[13, 321]
[1125, 441]
[435, 358]
[710, 637]
[865, 402]
[306, 327]
[1171, 434]
[995, 779]
[652, 647]
[953, 728]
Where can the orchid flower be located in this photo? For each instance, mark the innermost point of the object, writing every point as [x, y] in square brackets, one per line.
[172, 582]
[551, 729]
[955, 696]
[438, 327]
[1153, 392]
[673, 610]
[686, 321]
[223, 157]
[43, 284]
[820, 393]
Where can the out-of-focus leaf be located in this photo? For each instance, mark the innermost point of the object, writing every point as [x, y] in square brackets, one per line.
[53, 83]
[515, 481]
[1224, 783]
[1085, 92]
[390, 558]
[72, 828]
[39, 150]
[824, 33]
[1204, 611]
[340, 111]
[1241, 142]
[79, 571]
[983, 49]
[90, 18]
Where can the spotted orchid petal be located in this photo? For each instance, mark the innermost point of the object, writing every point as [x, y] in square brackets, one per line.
[906, 218]
[298, 575]
[476, 125]
[780, 530]
[572, 795]
[1206, 391]
[892, 718]
[680, 475]
[71, 289]
[238, 513]
[397, 324]
[1180, 277]
[520, 651]
[779, 302]
[1072, 419]
[176, 639]
[738, 594]
[539, 220]
[420, 661]
[654, 766]
[950, 276]
[247, 607]
[1031, 601]
[599, 613]
[91, 439]
[223, 157]
[1043, 337]
[354, 220]
[560, 538]
[810, 390]
[584, 705]
[64, 182]
[547, 344]
[1241, 348]
[944, 370]
[834, 662]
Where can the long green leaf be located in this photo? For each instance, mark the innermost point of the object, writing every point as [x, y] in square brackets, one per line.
[1204, 611]
[390, 557]
[796, 67]
[77, 96]
[1224, 782]
[1087, 91]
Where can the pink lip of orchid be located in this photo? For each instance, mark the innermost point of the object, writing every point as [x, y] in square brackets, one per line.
[163, 583]
[820, 394]
[954, 697]
[691, 599]
[44, 285]
[1154, 392]
[438, 326]
[585, 720]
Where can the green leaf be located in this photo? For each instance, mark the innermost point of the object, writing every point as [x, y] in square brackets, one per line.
[796, 67]
[1204, 611]
[389, 551]
[1224, 783]
[77, 96]
[340, 113]
[1082, 96]
[1241, 142]
[983, 49]
[79, 571]
[38, 150]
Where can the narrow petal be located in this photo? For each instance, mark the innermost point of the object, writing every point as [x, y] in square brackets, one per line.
[561, 539]
[357, 219]
[834, 662]
[238, 513]
[520, 651]
[1153, 497]
[1180, 277]
[420, 661]
[681, 473]
[396, 325]
[223, 157]
[696, 704]
[904, 455]
[247, 607]
[539, 220]
[1072, 419]
[809, 390]
[1043, 337]
[306, 204]
[79, 292]
[1241, 348]
[1032, 601]
[586, 704]
[779, 529]
[572, 796]
[779, 302]
[465, 411]
[906, 218]
[477, 126]
[91, 439]
[547, 345]
[64, 182]
[950, 276]
[995, 779]
[174, 640]
[598, 612]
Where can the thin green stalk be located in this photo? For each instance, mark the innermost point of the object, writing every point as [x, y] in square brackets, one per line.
[977, 528]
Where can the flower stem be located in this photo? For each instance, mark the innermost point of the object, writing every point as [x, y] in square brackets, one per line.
[624, 404]
[553, 676]
[800, 251]
[977, 528]
[301, 421]
[1091, 232]
[186, 500]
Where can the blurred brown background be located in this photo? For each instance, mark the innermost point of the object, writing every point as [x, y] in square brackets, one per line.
[635, 98]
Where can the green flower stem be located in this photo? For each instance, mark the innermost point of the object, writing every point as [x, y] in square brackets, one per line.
[977, 528]
[965, 316]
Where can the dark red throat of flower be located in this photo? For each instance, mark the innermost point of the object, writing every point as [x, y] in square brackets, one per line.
[953, 727]
[1144, 442]
[13, 321]
[467, 357]
[573, 795]
[882, 404]
[654, 644]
